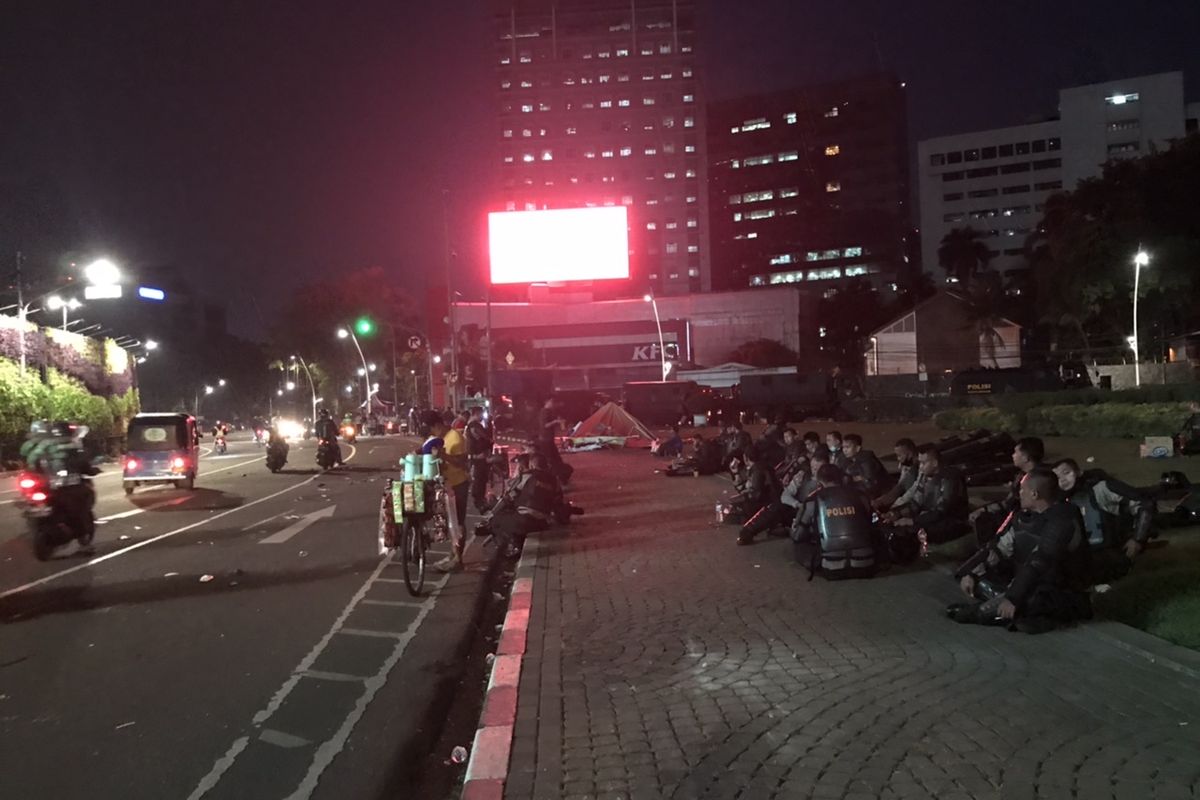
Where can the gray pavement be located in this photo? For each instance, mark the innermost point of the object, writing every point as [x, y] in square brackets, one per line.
[664, 662]
[128, 675]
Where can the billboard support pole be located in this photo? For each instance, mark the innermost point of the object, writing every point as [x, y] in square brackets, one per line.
[491, 343]
[451, 388]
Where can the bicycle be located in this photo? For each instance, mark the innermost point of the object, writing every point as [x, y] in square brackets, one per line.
[412, 516]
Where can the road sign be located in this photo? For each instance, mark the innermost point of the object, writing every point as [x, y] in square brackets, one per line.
[510, 358]
[414, 343]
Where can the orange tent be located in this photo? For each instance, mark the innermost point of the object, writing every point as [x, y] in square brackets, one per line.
[610, 424]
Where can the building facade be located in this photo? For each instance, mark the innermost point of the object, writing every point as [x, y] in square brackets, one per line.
[809, 185]
[600, 104]
[997, 181]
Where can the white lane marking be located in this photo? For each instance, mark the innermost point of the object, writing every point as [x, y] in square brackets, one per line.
[373, 634]
[125, 550]
[340, 677]
[299, 525]
[263, 522]
[281, 739]
[329, 750]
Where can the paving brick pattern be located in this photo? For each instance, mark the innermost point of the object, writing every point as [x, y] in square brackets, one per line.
[664, 662]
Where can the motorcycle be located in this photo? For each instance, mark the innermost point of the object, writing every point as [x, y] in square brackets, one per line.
[220, 445]
[57, 510]
[258, 435]
[349, 433]
[277, 454]
[326, 455]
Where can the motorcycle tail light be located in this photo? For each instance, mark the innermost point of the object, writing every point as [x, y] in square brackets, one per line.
[178, 462]
[132, 464]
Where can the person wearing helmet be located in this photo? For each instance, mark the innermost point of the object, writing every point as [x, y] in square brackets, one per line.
[39, 432]
[327, 429]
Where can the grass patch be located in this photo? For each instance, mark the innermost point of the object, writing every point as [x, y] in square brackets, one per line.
[1162, 594]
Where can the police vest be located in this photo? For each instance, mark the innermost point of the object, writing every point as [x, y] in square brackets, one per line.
[844, 530]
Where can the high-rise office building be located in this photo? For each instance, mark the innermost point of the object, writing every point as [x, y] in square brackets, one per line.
[601, 105]
[997, 181]
[810, 186]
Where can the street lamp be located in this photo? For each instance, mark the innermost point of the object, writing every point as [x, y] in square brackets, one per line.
[208, 389]
[102, 272]
[343, 333]
[56, 303]
[311, 385]
[662, 350]
[151, 344]
[1142, 259]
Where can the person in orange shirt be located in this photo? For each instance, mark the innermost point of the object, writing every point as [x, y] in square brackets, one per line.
[454, 473]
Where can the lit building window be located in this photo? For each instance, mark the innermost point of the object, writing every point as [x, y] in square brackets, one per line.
[589, 154]
[627, 200]
[651, 151]
[623, 102]
[526, 108]
[604, 78]
[664, 49]
[527, 158]
[689, 98]
[791, 155]
[671, 248]
[606, 103]
[691, 148]
[606, 154]
[757, 197]
[763, 213]
[833, 112]
[626, 151]
[790, 191]
[833, 186]
[692, 222]
[783, 259]
[547, 155]
[693, 248]
[571, 131]
[505, 84]
[790, 118]
[508, 133]
[510, 206]
[622, 52]
[623, 77]
[666, 76]
[651, 226]
[669, 176]
[673, 276]
[689, 122]
[691, 173]
[757, 161]
[691, 200]
[737, 216]
[833, 150]
[647, 101]
[753, 125]
[508, 159]
[1122, 99]
[526, 84]
[672, 225]
[543, 106]
[853, 252]
[527, 132]
[687, 72]
[693, 272]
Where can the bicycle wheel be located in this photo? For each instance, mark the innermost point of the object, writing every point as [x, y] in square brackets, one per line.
[412, 549]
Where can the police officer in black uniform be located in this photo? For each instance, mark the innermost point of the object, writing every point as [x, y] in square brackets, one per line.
[1034, 574]
[479, 453]
[846, 540]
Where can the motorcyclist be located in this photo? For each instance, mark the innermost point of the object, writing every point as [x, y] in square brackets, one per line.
[39, 432]
[276, 440]
[60, 457]
[327, 429]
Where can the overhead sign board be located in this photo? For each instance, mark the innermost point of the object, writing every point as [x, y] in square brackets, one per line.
[559, 245]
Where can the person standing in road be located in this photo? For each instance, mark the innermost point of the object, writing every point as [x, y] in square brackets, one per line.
[454, 472]
[550, 422]
[479, 450]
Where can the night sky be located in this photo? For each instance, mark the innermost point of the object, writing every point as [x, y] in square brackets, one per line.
[251, 148]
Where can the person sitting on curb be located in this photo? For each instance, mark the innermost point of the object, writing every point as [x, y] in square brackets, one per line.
[799, 490]
[1118, 519]
[1027, 454]
[1033, 575]
[862, 467]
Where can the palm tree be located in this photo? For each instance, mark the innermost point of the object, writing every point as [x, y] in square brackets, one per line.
[963, 254]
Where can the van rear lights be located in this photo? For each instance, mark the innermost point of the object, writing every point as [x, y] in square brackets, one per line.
[132, 464]
[27, 483]
[38, 497]
[178, 462]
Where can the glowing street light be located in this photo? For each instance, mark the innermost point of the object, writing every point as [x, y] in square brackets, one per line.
[364, 326]
[151, 344]
[221, 382]
[1142, 259]
[102, 272]
[291, 386]
[57, 303]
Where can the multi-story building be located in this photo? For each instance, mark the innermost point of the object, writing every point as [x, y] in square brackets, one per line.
[997, 181]
[810, 185]
[601, 104]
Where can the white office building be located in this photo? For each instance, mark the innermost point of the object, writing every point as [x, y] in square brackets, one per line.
[997, 181]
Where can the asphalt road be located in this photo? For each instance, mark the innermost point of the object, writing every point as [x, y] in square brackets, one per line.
[241, 640]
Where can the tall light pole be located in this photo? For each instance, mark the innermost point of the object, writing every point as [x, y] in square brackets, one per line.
[1140, 260]
[662, 350]
[451, 389]
[311, 385]
[208, 389]
[344, 333]
[56, 303]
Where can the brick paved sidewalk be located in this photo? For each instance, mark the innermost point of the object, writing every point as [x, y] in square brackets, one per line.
[664, 662]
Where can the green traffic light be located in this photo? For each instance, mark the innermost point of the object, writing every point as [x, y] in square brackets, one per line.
[364, 327]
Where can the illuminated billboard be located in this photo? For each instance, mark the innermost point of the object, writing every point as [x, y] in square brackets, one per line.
[570, 244]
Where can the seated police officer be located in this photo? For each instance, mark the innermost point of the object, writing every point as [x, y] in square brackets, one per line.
[845, 537]
[1027, 454]
[862, 467]
[936, 504]
[1117, 518]
[531, 502]
[906, 457]
[1033, 574]
[760, 491]
[800, 489]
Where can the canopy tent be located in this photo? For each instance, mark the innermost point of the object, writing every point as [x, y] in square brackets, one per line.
[612, 424]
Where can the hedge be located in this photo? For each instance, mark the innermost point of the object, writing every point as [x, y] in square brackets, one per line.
[1020, 402]
[1112, 420]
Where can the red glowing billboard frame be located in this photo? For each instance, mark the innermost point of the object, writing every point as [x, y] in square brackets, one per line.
[559, 245]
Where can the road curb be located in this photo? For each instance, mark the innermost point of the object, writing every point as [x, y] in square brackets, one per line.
[487, 769]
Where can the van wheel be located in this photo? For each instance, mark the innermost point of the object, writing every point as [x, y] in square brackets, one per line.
[188, 483]
[128, 489]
